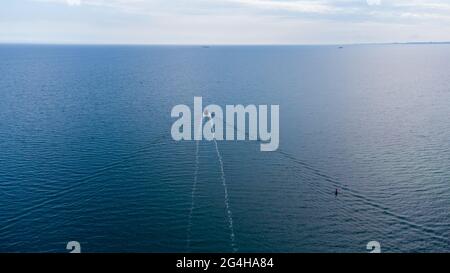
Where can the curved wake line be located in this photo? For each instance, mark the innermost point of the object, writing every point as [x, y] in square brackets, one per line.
[81, 181]
[359, 196]
[227, 204]
[366, 200]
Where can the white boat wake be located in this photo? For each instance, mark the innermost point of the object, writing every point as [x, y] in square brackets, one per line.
[194, 189]
[225, 189]
[227, 204]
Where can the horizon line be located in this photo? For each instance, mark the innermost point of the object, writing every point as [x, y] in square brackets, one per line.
[231, 44]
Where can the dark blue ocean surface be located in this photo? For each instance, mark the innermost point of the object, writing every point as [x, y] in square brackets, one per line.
[86, 152]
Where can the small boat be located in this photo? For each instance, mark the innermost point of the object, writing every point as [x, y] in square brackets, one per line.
[206, 114]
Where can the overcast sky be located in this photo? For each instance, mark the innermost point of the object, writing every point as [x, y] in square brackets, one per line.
[223, 21]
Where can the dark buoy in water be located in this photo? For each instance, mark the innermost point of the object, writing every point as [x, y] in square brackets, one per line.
[336, 193]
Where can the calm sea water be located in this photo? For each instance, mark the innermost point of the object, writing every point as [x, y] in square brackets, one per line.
[86, 152]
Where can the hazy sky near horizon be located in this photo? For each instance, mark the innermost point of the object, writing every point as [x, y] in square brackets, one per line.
[223, 21]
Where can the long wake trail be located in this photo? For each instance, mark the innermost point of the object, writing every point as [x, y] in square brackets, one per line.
[359, 196]
[227, 204]
[80, 182]
[225, 189]
[194, 189]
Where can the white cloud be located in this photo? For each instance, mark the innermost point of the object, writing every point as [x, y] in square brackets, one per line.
[239, 21]
[373, 2]
[74, 2]
[298, 6]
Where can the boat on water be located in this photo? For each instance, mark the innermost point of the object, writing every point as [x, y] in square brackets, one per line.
[206, 114]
